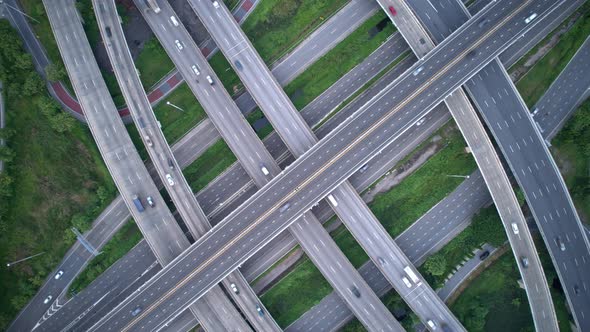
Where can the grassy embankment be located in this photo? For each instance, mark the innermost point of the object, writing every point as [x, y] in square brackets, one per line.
[55, 179]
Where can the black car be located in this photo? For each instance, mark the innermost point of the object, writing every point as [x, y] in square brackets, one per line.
[170, 163]
[484, 255]
[355, 291]
[238, 65]
[108, 30]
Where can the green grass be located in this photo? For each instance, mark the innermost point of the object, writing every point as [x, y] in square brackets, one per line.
[209, 165]
[396, 210]
[296, 293]
[55, 177]
[153, 63]
[125, 239]
[332, 66]
[497, 294]
[571, 148]
[486, 227]
[176, 123]
[494, 301]
[275, 26]
[338, 61]
[227, 76]
[534, 84]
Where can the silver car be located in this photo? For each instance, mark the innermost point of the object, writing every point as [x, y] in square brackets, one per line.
[170, 180]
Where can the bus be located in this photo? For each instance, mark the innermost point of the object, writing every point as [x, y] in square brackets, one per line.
[411, 274]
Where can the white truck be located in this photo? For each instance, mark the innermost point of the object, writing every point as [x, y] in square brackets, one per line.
[412, 276]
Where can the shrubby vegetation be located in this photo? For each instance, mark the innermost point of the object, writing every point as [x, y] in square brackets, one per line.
[572, 150]
[54, 178]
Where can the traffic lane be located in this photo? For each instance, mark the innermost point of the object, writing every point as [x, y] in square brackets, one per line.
[323, 39]
[210, 96]
[251, 70]
[177, 41]
[125, 273]
[440, 18]
[564, 93]
[391, 260]
[373, 140]
[536, 173]
[422, 238]
[343, 277]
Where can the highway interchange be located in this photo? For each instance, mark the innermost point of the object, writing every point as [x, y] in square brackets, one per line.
[295, 194]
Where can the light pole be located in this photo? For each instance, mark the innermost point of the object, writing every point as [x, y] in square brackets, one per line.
[458, 176]
[24, 259]
[170, 104]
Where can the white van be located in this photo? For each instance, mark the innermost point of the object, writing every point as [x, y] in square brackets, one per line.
[174, 21]
[514, 228]
[530, 18]
[332, 200]
[196, 70]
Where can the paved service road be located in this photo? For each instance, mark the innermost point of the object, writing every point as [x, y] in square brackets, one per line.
[303, 173]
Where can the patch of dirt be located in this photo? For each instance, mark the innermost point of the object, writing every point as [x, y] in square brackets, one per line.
[397, 175]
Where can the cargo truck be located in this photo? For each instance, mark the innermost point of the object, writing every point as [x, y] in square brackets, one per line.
[138, 203]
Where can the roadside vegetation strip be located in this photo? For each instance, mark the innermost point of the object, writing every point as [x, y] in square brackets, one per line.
[396, 209]
[55, 179]
[331, 67]
[340, 60]
[209, 165]
[571, 150]
[538, 79]
[175, 122]
[276, 26]
[152, 63]
[125, 239]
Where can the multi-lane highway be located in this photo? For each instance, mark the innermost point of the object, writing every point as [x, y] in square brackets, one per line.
[522, 145]
[190, 140]
[519, 236]
[164, 162]
[451, 71]
[261, 167]
[299, 138]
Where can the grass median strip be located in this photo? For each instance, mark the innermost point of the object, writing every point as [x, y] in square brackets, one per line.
[538, 79]
[396, 210]
[152, 63]
[209, 165]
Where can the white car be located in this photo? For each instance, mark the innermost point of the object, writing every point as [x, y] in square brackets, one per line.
[174, 21]
[215, 4]
[178, 45]
[530, 18]
[169, 178]
[419, 122]
[195, 69]
[148, 140]
[417, 71]
[431, 324]
[407, 282]
[234, 288]
[58, 274]
[514, 228]
[264, 169]
[209, 79]
[150, 201]
[47, 299]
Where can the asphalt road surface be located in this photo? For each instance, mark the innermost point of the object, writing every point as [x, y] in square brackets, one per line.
[309, 186]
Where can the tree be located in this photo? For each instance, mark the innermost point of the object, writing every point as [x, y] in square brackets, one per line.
[102, 194]
[48, 106]
[55, 72]
[33, 85]
[6, 133]
[62, 122]
[516, 302]
[436, 265]
[476, 318]
[487, 227]
[6, 154]
[80, 222]
[5, 185]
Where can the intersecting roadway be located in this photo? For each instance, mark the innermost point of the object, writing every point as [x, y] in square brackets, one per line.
[337, 169]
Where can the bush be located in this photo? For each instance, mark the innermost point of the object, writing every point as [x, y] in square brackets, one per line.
[55, 72]
[436, 265]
